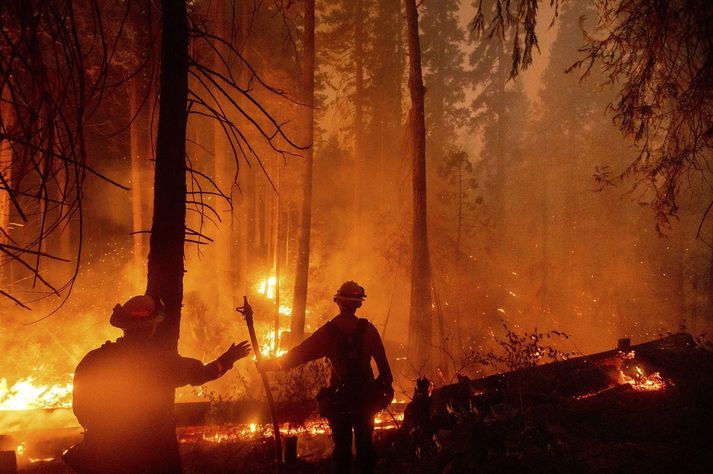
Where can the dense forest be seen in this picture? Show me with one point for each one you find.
(482, 170)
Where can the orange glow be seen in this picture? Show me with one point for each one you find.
(267, 287)
(268, 344)
(642, 382)
(27, 394)
(638, 378)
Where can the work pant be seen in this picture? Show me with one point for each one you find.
(363, 426)
(153, 454)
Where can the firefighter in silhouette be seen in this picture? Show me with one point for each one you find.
(353, 396)
(124, 395)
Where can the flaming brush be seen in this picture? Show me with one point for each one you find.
(247, 311)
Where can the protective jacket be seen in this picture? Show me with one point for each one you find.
(329, 341)
(124, 398)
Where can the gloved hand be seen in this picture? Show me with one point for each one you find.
(233, 354)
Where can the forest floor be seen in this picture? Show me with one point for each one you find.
(616, 430)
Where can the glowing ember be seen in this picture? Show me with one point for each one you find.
(642, 382)
(26, 394)
(256, 431)
(385, 420)
(637, 377)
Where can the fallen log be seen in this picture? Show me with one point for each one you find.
(572, 378)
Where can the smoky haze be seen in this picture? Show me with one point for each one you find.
(525, 229)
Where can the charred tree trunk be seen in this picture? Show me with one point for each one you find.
(165, 263)
(420, 324)
(299, 304)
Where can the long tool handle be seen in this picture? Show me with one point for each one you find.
(265, 383)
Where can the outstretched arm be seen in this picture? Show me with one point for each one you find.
(312, 348)
(194, 372)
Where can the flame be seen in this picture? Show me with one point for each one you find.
(267, 287)
(642, 382)
(26, 394)
(637, 377)
(268, 346)
(386, 420)
(254, 431)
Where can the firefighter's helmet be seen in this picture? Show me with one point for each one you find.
(350, 291)
(136, 312)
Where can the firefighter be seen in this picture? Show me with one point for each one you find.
(353, 396)
(124, 395)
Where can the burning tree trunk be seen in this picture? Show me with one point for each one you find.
(299, 303)
(165, 264)
(420, 325)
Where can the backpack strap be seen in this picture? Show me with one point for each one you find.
(349, 347)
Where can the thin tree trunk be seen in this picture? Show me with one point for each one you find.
(6, 119)
(223, 237)
(241, 220)
(299, 303)
(276, 254)
(459, 231)
(166, 251)
(420, 320)
(358, 114)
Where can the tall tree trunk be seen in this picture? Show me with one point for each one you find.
(241, 219)
(299, 303)
(420, 324)
(501, 127)
(244, 220)
(358, 113)
(165, 263)
(223, 179)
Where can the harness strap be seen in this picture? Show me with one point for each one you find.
(349, 348)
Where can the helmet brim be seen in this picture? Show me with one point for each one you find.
(348, 298)
(121, 320)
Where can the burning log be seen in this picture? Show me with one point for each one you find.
(640, 367)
